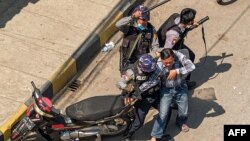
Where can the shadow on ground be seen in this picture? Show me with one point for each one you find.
(10, 8)
(210, 67)
(202, 102)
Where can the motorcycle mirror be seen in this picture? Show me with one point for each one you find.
(36, 92)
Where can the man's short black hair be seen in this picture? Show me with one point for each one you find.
(187, 15)
(166, 53)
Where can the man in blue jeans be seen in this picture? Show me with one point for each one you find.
(175, 67)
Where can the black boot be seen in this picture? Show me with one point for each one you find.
(165, 137)
(127, 139)
(127, 136)
(191, 85)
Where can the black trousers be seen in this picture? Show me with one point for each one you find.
(141, 110)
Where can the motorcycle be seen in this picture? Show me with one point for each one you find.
(88, 119)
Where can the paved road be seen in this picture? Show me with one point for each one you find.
(36, 38)
(222, 93)
(224, 75)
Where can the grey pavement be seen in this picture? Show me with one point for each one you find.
(225, 73)
(36, 38)
(222, 96)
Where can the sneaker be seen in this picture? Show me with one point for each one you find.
(191, 85)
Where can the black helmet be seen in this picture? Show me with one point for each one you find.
(147, 63)
(187, 15)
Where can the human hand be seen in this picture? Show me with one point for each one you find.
(137, 14)
(128, 100)
(172, 74)
(196, 24)
(156, 54)
(193, 25)
(129, 88)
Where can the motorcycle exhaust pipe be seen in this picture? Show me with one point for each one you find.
(86, 132)
(76, 134)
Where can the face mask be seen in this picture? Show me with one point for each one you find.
(140, 27)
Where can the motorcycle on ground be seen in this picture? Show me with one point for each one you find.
(88, 119)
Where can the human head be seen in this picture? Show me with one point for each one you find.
(187, 16)
(146, 63)
(144, 16)
(167, 57)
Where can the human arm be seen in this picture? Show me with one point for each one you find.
(155, 45)
(124, 23)
(127, 88)
(155, 42)
(172, 74)
(123, 83)
(187, 65)
(172, 37)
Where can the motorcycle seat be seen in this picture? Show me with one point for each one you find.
(95, 108)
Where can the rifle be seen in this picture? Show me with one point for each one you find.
(153, 7)
(199, 22)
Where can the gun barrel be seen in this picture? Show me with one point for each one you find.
(203, 20)
(153, 7)
(199, 22)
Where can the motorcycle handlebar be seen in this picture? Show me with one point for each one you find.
(36, 92)
(37, 95)
(33, 84)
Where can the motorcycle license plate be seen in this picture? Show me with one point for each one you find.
(29, 124)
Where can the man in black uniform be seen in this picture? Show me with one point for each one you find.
(174, 30)
(139, 36)
(140, 81)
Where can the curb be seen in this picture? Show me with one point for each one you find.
(75, 64)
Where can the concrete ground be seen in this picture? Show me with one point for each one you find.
(36, 38)
(222, 94)
(224, 76)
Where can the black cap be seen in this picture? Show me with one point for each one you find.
(187, 15)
